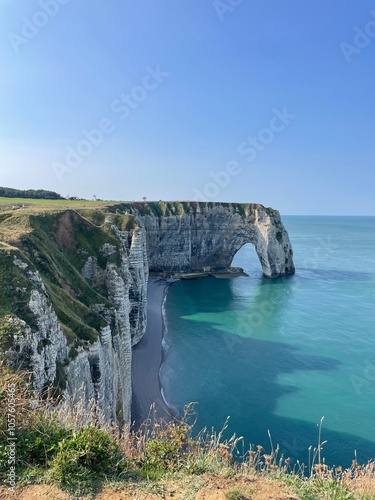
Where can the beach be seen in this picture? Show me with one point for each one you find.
(147, 359)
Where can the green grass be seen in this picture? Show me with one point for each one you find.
(57, 244)
(168, 208)
(158, 208)
(318, 487)
(14, 289)
(237, 494)
(6, 203)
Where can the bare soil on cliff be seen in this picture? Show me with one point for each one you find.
(208, 487)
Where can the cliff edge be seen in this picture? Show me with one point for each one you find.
(73, 302)
(198, 237)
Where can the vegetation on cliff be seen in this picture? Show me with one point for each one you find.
(169, 208)
(57, 244)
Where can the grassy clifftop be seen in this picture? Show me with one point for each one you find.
(169, 208)
(57, 242)
(157, 208)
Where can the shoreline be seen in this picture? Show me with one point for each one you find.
(148, 403)
(232, 272)
(147, 359)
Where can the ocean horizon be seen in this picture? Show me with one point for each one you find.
(278, 355)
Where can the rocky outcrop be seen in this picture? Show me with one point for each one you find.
(206, 237)
(98, 368)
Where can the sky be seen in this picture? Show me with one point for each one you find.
(263, 101)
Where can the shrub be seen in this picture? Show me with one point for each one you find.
(90, 447)
(84, 457)
(37, 442)
(234, 494)
(165, 450)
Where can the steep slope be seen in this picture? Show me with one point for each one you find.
(74, 289)
(192, 237)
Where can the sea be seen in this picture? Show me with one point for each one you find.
(284, 359)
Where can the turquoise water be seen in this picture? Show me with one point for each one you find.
(280, 354)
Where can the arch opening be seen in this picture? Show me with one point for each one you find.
(247, 259)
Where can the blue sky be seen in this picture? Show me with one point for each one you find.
(189, 94)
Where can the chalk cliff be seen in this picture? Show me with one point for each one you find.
(76, 303)
(204, 237)
(73, 283)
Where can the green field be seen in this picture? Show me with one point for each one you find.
(8, 203)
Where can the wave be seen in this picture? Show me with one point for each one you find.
(164, 373)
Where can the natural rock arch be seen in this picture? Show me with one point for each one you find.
(206, 237)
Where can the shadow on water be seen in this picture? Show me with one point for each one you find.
(237, 375)
(252, 395)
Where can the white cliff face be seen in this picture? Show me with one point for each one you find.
(137, 275)
(208, 238)
(100, 371)
(41, 351)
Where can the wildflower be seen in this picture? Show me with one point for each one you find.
(320, 467)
